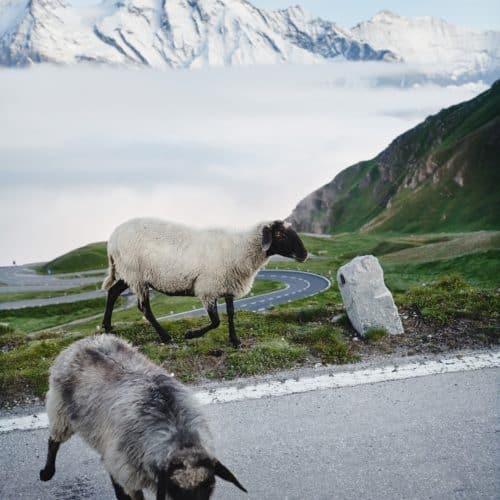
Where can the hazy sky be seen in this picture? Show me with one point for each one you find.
(82, 150)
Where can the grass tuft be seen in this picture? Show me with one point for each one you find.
(304, 314)
(373, 334)
(329, 343)
(452, 297)
(5, 328)
(27, 366)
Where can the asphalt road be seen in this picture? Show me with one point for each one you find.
(24, 279)
(298, 285)
(433, 437)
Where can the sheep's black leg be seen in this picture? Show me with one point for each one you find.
(119, 491)
(113, 293)
(50, 466)
(214, 322)
(145, 308)
(230, 319)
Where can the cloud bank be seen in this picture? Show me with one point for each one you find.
(82, 149)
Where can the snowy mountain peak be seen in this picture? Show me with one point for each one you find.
(434, 42)
(176, 33)
(384, 16)
(296, 11)
(194, 33)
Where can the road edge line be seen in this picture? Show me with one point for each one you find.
(287, 387)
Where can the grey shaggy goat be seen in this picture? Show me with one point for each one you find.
(144, 423)
(179, 260)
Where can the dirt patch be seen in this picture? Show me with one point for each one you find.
(423, 335)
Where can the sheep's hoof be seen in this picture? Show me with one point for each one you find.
(47, 474)
(164, 336)
(191, 335)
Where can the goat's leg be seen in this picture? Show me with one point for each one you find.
(230, 319)
(211, 308)
(145, 308)
(113, 293)
(50, 466)
(119, 491)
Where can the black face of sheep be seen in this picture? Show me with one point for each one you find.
(191, 476)
(280, 239)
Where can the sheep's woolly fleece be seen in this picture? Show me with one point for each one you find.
(128, 409)
(167, 257)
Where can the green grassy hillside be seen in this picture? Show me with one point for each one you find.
(442, 175)
(446, 205)
(86, 258)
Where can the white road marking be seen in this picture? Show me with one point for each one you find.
(307, 384)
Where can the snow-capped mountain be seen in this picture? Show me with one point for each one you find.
(195, 33)
(175, 33)
(434, 42)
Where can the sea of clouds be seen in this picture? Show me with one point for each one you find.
(83, 149)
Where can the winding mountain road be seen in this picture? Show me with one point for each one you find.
(298, 284)
(15, 279)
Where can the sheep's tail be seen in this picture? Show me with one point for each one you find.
(111, 277)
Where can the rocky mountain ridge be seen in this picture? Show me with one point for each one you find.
(442, 175)
(170, 33)
(197, 33)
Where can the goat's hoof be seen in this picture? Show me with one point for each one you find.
(47, 474)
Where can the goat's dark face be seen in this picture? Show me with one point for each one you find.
(278, 238)
(191, 476)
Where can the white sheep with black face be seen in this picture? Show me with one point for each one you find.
(178, 260)
(144, 424)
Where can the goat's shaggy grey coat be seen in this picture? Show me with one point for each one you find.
(145, 424)
(178, 260)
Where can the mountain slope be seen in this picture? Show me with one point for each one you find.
(173, 33)
(435, 43)
(442, 175)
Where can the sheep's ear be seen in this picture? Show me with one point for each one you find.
(267, 238)
(224, 473)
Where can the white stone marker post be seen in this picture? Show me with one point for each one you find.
(368, 302)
